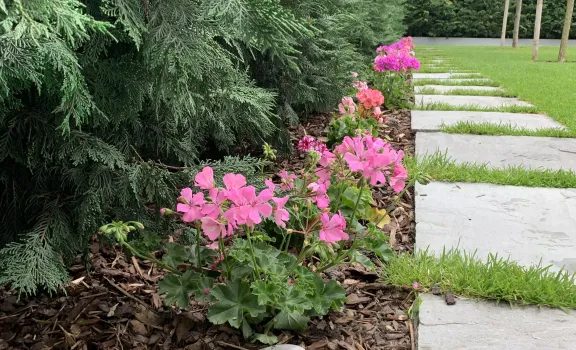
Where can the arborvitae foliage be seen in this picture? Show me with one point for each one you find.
(481, 19)
(107, 107)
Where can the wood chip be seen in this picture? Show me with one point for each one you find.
(354, 299)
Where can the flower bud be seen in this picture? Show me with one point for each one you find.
(139, 225)
(166, 212)
(289, 230)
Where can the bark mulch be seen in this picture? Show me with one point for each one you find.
(115, 303)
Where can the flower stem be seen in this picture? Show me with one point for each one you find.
(198, 259)
(248, 236)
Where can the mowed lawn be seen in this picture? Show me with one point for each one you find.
(550, 86)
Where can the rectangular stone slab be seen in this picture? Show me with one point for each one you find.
(467, 80)
(523, 223)
(501, 151)
(447, 89)
(480, 101)
(432, 120)
(439, 75)
(472, 325)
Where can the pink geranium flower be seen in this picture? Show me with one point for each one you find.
(213, 228)
(287, 180)
(332, 228)
(250, 207)
(214, 209)
(320, 191)
(205, 179)
(370, 98)
(191, 205)
(234, 181)
(347, 106)
(281, 215)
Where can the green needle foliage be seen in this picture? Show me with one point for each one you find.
(440, 167)
(495, 278)
(108, 107)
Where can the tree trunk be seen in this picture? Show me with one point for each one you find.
(566, 30)
(517, 23)
(537, 23)
(504, 23)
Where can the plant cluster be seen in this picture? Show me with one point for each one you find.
(107, 107)
(392, 67)
(327, 212)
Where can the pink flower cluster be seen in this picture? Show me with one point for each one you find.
(225, 209)
(375, 159)
(396, 57)
(370, 98)
(347, 106)
(309, 144)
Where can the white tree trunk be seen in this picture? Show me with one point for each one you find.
(566, 30)
(537, 24)
(504, 23)
(517, 23)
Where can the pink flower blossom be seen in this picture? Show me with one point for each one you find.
(281, 215)
(398, 178)
(306, 144)
(213, 245)
(205, 179)
(360, 85)
(234, 182)
(320, 191)
(287, 180)
(416, 285)
(332, 228)
(347, 106)
(249, 207)
(214, 209)
(191, 205)
(397, 57)
(213, 228)
(370, 98)
(271, 186)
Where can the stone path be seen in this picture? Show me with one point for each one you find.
(446, 89)
(432, 120)
(479, 101)
(527, 225)
(440, 75)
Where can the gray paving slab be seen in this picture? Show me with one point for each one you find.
(448, 89)
(501, 151)
(479, 101)
(527, 224)
(440, 75)
(465, 80)
(432, 120)
(473, 325)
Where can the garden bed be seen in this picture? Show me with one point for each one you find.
(115, 305)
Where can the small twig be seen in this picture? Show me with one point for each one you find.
(127, 294)
(230, 345)
(411, 327)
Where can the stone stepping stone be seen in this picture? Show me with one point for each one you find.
(526, 224)
(502, 151)
(432, 120)
(448, 89)
(475, 325)
(479, 101)
(466, 80)
(439, 75)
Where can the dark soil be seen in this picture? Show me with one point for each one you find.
(115, 304)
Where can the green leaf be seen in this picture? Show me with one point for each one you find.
(327, 295)
(266, 339)
(291, 320)
(178, 288)
(267, 292)
(235, 301)
(175, 254)
(362, 259)
(293, 299)
(206, 255)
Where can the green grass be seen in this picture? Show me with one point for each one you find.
(549, 85)
(466, 92)
(440, 167)
(450, 82)
(441, 106)
(494, 278)
(485, 128)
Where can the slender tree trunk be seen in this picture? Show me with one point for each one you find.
(566, 30)
(517, 23)
(504, 23)
(537, 24)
